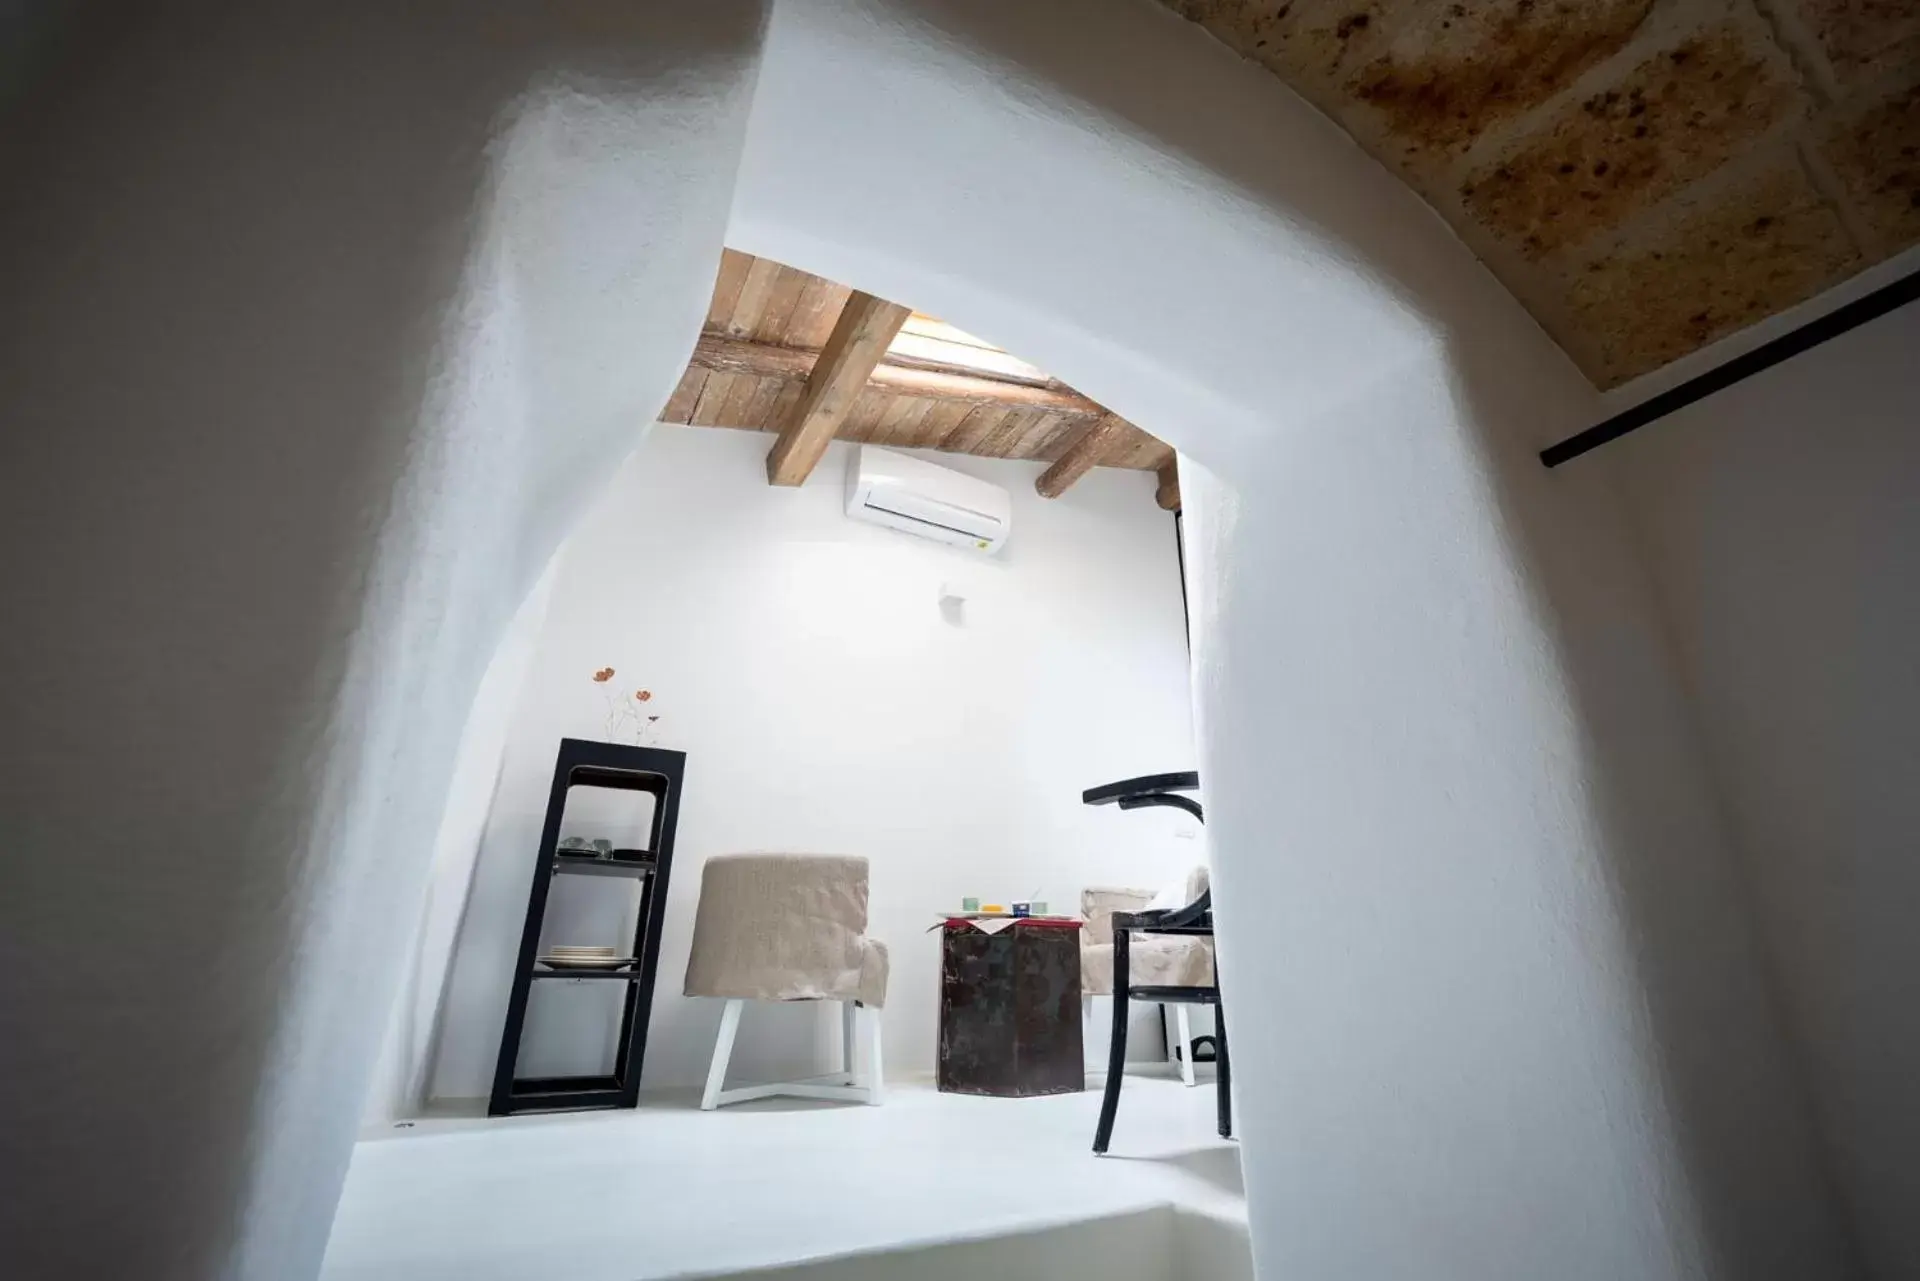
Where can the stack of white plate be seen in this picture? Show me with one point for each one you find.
(569, 957)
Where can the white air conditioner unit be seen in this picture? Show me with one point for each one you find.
(927, 499)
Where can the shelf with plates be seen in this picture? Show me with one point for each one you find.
(623, 863)
(629, 976)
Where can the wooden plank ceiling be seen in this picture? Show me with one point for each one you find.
(933, 387)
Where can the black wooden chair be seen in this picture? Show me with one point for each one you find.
(1196, 918)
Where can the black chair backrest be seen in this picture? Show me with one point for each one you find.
(1152, 791)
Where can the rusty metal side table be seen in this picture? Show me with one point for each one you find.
(1010, 1009)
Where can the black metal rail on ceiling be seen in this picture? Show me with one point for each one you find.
(1854, 314)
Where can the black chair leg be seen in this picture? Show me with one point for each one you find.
(1223, 1070)
(1117, 1046)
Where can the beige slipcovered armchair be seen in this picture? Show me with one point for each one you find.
(789, 927)
(1156, 960)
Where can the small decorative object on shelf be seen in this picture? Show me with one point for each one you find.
(572, 957)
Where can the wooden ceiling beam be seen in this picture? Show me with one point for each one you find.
(859, 339)
(812, 361)
(1168, 494)
(1081, 456)
(734, 356)
(937, 384)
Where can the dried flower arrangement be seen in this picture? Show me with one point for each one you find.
(628, 717)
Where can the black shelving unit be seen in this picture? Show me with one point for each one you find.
(581, 763)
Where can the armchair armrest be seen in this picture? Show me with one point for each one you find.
(1149, 800)
(1196, 917)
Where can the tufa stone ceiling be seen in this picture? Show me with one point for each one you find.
(1646, 176)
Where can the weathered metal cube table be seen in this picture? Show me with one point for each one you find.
(1010, 1008)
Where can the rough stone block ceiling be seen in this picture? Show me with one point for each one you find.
(1647, 176)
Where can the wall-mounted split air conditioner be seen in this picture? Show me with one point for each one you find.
(923, 498)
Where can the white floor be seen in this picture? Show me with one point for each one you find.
(669, 1191)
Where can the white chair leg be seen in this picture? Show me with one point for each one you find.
(1185, 1029)
(1170, 1034)
(722, 1051)
(849, 1014)
(876, 1071)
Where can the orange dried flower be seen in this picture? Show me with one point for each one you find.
(643, 695)
(602, 676)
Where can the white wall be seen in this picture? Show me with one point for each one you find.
(317, 321)
(1781, 519)
(828, 703)
(401, 1079)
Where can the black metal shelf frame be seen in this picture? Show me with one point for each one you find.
(582, 763)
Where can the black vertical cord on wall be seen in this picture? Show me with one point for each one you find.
(1810, 335)
(1180, 550)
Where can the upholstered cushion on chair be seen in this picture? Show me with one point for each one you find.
(785, 927)
(1099, 903)
(1153, 960)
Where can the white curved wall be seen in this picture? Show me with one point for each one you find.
(255, 488)
(1506, 1019)
(317, 323)
(1781, 528)
(415, 1028)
